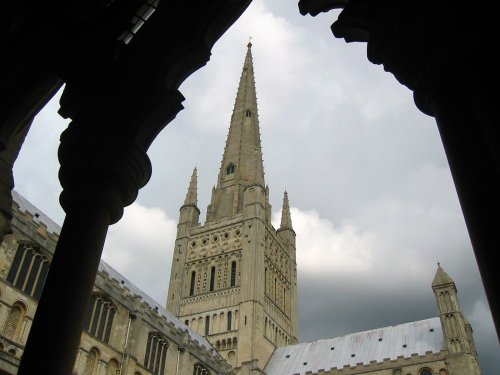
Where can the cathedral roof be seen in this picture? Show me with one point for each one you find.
(38, 216)
(378, 345)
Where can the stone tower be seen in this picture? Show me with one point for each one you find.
(457, 331)
(234, 279)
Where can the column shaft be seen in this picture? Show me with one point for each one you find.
(57, 327)
(475, 173)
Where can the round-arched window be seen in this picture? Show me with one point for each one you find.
(425, 371)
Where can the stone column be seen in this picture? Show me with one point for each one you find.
(470, 139)
(100, 174)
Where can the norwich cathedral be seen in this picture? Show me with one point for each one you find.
(231, 306)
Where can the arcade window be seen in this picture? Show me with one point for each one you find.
(156, 353)
(99, 320)
(29, 270)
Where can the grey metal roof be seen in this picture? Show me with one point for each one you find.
(362, 347)
(38, 215)
(52, 227)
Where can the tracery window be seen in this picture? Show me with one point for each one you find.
(29, 270)
(233, 273)
(200, 369)
(156, 353)
(99, 320)
(12, 326)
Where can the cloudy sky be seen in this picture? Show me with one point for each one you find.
(374, 205)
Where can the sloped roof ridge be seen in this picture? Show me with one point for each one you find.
(26, 205)
(371, 330)
(361, 348)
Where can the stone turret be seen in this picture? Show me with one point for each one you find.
(456, 330)
(189, 215)
(189, 211)
(285, 230)
(287, 235)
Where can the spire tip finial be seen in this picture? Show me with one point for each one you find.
(249, 45)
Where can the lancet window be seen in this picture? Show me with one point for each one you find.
(207, 326)
(233, 273)
(229, 320)
(99, 320)
(193, 281)
(212, 278)
(156, 353)
(29, 270)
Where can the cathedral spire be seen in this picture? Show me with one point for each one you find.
(241, 165)
(192, 193)
(286, 219)
(242, 160)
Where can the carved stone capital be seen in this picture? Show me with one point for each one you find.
(100, 169)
